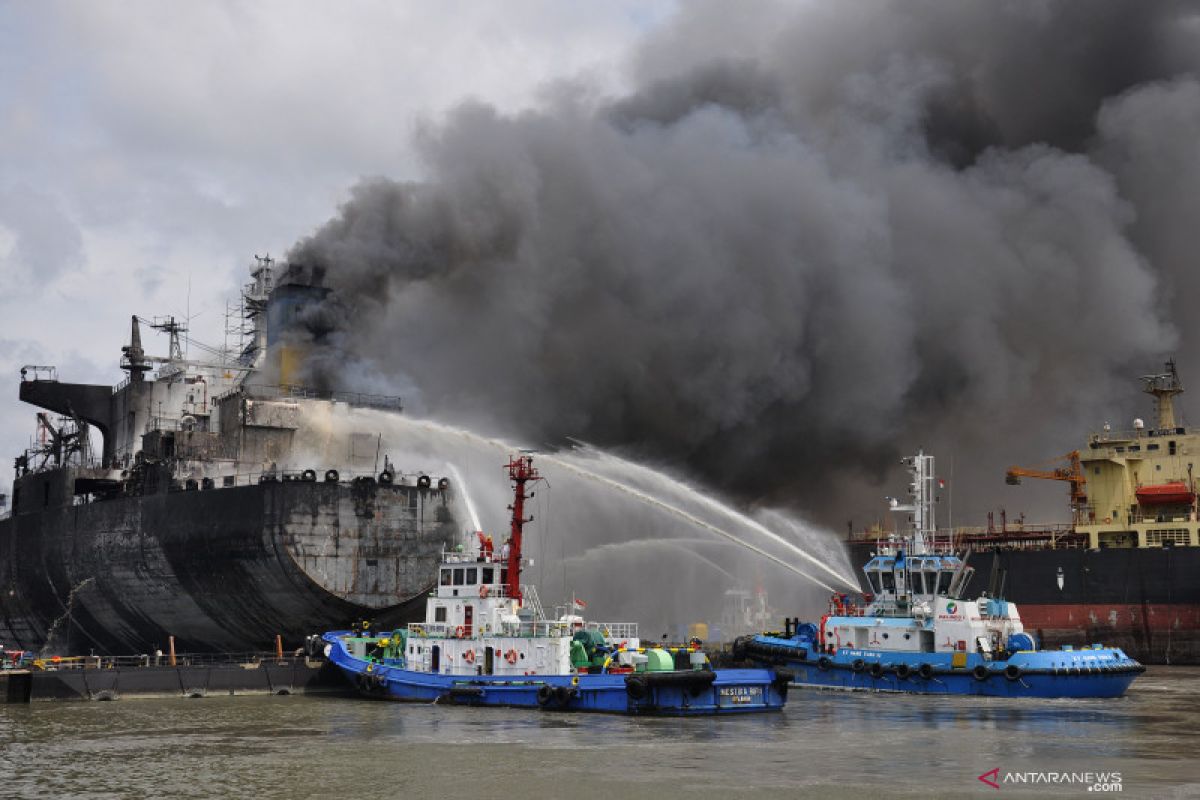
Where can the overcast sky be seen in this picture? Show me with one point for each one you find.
(147, 146)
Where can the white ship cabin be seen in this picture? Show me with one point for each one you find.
(915, 607)
(474, 626)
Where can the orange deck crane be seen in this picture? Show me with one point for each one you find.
(1072, 472)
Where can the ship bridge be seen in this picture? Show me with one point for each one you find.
(1141, 481)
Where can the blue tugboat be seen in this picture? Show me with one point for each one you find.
(485, 641)
(914, 632)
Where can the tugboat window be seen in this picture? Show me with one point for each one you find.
(889, 582)
(488, 575)
(439, 614)
(873, 577)
(471, 576)
(458, 577)
(944, 582)
(445, 577)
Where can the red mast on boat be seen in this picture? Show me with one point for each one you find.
(520, 472)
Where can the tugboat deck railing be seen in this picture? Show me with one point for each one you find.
(541, 629)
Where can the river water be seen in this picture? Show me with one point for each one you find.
(825, 744)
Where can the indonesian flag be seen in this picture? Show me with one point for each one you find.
(941, 483)
(577, 603)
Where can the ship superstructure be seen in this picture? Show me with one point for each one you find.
(1141, 486)
(226, 504)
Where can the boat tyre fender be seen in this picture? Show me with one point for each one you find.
(443, 484)
(423, 482)
(309, 475)
(1012, 672)
(635, 687)
(738, 651)
(925, 671)
(903, 671)
(331, 476)
(783, 678)
(859, 665)
(386, 477)
(823, 663)
(379, 680)
(980, 673)
(465, 692)
(877, 670)
(563, 695)
(545, 693)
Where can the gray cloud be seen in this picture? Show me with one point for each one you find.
(43, 242)
(801, 243)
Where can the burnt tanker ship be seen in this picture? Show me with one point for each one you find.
(1126, 570)
(226, 508)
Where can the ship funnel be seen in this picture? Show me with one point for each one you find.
(133, 358)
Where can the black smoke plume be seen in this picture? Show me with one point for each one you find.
(808, 239)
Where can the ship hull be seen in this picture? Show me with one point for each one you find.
(1145, 601)
(1093, 673)
(220, 570)
(685, 693)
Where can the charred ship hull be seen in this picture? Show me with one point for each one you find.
(221, 569)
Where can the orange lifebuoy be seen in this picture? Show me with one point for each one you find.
(459, 632)
(1108, 520)
(484, 591)
(469, 656)
(511, 656)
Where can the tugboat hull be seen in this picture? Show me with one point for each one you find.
(683, 693)
(1096, 672)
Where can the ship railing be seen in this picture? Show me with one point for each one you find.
(1158, 519)
(526, 630)
(1018, 536)
(614, 630)
(48, 374)
(282, 391)
(56, 663)
(1122, 438)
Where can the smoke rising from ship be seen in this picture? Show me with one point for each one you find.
(805, 240)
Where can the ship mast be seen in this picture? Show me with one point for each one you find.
(520, 472)
(921, 490)
(1164, 387)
